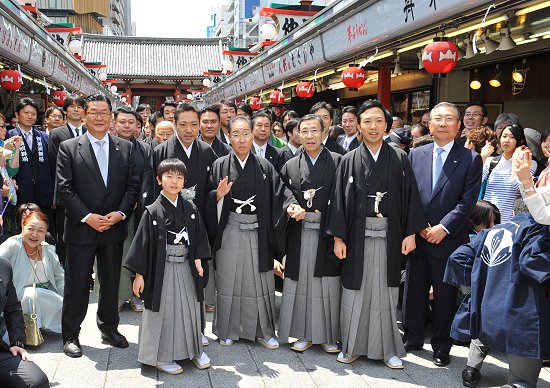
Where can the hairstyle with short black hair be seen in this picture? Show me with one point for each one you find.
(261, 113)
(293, 115)
(73, 99)
(270, 113)
(370, 104)
(236, 119)
(321, 105)
(350, 109)
(167, 103)
(154, 118)
(129, 111)
(292, 125)
(481, 214)
(245, 108)
(545, 135)
(480, 104)
(211, 109)
(26, 101)
(173, 165)
(228, 103)
(142, 107)
(51, 109)
(97, 98)
(310, 117)
(185, 107)
(423, 129)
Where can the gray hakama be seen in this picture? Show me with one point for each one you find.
(245, 302)
(174, 332)
(367, 318)
(310, 308)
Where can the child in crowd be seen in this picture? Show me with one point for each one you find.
(166, 256)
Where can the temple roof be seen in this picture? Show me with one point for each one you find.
(163, 58)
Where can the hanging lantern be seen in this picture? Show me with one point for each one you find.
(277, 96)
(305, 89)
(58, 97)
(354, 77)
(440, 57)
(10, 80)
(255, 103)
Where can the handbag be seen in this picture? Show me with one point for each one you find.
(32, 331)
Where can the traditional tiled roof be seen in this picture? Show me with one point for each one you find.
(139, 57)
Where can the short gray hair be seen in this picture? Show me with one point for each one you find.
(446, 105)
(310, 117)
(238, 119)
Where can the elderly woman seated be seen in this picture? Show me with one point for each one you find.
(35, 262)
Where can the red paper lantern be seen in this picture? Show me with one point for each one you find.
(10, 80)
(58, 97)
(354, 77)
(277, 96)
(440, 57)
(255, 103)
(305, 89)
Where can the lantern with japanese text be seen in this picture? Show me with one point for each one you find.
(277, 96)
(11, 80)
(354, 77)
(255, 103)
(440, 57)
(58, 97)
(305, 89)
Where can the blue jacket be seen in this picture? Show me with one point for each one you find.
(508, 267)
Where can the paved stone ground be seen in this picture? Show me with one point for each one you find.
(247, 364)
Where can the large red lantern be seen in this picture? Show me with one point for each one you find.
(277, 96)
(58, 97)
(305, 89)
(255, 103)
(354, 77)
(10, 80)
(440, 57)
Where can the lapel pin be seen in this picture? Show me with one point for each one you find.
(264, 176)
(350, 179)
(454, 161)
(154, 222)
(145, 195)
(207, 168)
(290, 181)
(193, 216)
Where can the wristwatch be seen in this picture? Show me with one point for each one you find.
(18, 344)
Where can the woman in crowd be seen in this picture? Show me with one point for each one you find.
(543, 170)
(54, 118)
(419, 130)
(278, 131)
(501, 190)
(35, 262)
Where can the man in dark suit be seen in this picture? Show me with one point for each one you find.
(16, 366)
(73, 106)
(98, 184)
(325, 111)
(226, 111)
(261, 129)
(350, 121)
(128, 123)
(448, 178)
(291, 149)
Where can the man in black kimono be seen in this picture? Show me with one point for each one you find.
(209, 128)
(261, 128)
(245, 203)
(376, 213)
(310, 309)
(196, 154)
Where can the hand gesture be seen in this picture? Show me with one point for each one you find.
(296, 211)
(113, 218)
(521, 163)
(138, 285)
(224, 187)
(340, 249)
(487, 151)
(436, 234)
(98, 222)
(279, 269)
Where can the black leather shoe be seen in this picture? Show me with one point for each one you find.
(470, 376)
(71, 347)
(410, 347)
(441, 358)
(114, 338)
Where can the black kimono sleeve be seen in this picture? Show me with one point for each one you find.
(337, 224)
(142, 250)
(282, 198)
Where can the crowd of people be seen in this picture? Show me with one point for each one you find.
(185, 212)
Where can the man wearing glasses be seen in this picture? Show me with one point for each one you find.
(475, 115)
(98, 184)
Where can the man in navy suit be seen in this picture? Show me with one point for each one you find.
(448, 178)
(261, 128)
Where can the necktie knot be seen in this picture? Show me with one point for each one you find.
(439, 151)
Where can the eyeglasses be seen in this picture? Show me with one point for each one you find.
(473, 114)
(103, 115)
(56, 117)
(313, 132)
(245, 135)
(2, 125)
(447, 119)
